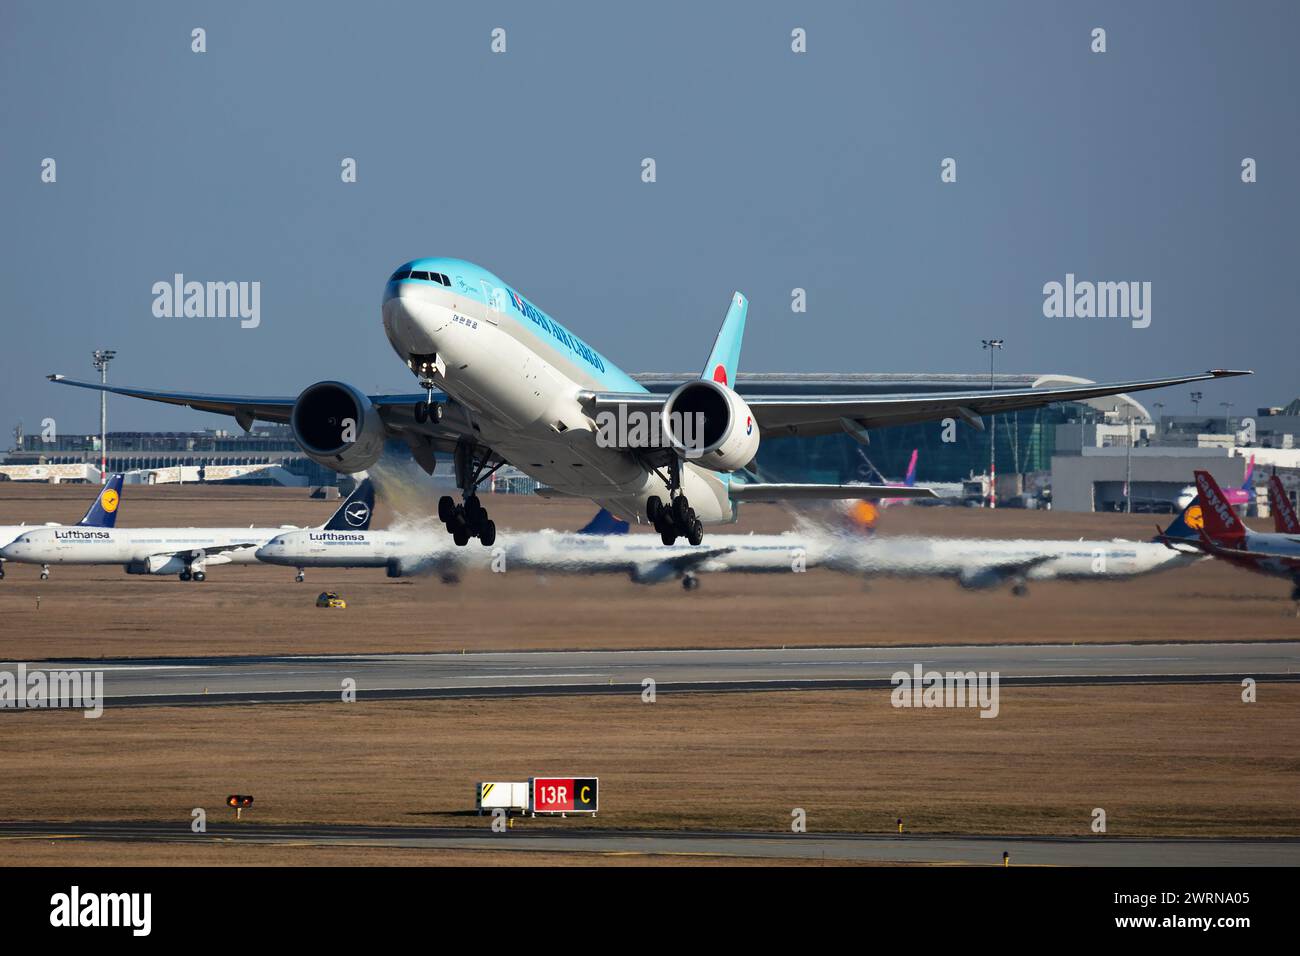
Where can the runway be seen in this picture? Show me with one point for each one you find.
(554, 836)
(293, 678)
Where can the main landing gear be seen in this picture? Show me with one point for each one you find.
(466, 521)
(677, 518)
(469, 520)
(45, 572)
(193, 576)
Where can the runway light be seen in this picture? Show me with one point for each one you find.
(240, 802)
(900, 824)
(1006, 858)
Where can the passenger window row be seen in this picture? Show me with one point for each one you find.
(401, 274)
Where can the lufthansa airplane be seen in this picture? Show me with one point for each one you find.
(185, 552)
(102, 513)
(505, 382)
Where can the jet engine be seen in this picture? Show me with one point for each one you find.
(709, 424)
(338, 427)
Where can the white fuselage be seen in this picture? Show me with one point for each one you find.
(644, 558)
(521, 386)
(969, 559)
(140, 550)
(639, 555)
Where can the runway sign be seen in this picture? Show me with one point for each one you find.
(564, 794)
(494, 795)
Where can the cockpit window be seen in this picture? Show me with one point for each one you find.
(401, 274)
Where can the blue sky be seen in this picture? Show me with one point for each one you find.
(775, 171)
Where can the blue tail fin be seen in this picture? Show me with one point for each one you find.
(725, 357)
(1250, 473)
(103, 513)
(604, 523)
(1186, 525)
(354, 514)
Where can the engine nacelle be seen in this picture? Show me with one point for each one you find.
(709, 424)
(338, 427)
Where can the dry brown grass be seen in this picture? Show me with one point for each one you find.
(101, 612)
(1170, 760)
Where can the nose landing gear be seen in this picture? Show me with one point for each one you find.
(426, 366)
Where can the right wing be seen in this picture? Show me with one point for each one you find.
(779, 415)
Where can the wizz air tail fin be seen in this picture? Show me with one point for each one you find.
(354, 514)
(604, 523)
(909, 479)
(1220, 519)
(103, 512)
(1279, 502)
(725, 357)
(1250, 472)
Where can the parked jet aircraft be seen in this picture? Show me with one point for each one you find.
(102, 513)
(186, 552)
(1281, 507)
(605, 547)
(1224, 535)
(504, 382)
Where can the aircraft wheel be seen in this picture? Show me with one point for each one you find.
(652, 509)
(690, 582)
(682, 511)
(488, 535)
(446, 509)
(461, 537)
(1019, 590)
(200, 576)
(300, 577)
(475, 513)
(45, 575)
(421, 410)
(668, 537)
(696, 533)
(185, 575)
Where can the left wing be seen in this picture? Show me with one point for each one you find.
(826, 414)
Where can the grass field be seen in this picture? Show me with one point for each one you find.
(1164, 760)
(244, 610)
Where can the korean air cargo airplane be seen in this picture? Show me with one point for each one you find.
(102, 513)
(503, 381)
(185, 552)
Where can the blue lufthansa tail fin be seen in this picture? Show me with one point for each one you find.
(604, 523)
(354, 514)
(103, 512)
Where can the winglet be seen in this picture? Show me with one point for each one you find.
(725, 357)
(102, 512)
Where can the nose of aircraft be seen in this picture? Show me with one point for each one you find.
(412, 316)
